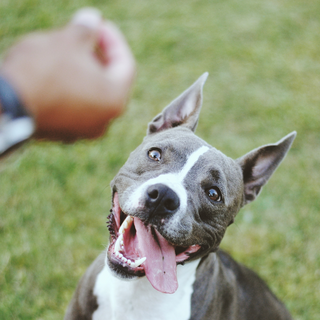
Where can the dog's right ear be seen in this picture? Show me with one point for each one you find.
(258, 165)
(183, 111)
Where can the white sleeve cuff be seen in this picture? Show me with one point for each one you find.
(14, 131)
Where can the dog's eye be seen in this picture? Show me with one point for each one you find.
(155, 154)
(214, 194)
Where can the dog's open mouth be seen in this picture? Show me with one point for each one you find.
(137, 250)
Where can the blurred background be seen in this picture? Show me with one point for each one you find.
(263, 58)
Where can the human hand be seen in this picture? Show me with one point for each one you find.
(74, 80)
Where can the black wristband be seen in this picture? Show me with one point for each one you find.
(10, 102)
(16, 125)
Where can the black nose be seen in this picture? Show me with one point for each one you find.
(161, 200)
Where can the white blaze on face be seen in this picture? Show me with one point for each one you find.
(172, 180)
(193, 158)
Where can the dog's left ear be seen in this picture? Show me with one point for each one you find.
(183, 111)
(259, 164)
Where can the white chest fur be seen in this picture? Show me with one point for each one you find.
(138, 300)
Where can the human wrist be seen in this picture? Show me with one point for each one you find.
(10, 102)
(16, 125)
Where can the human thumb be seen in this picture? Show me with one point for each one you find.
(84, 26)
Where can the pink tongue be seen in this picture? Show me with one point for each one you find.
(160, 266)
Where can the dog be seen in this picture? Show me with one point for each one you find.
(172, 202)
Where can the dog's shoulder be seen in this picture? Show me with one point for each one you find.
(84, 302)
(248, 281)
(218, 275)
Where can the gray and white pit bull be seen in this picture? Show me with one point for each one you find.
(172, 203)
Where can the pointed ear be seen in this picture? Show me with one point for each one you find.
(183, 111)
(259, 164)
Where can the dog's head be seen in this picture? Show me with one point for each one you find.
(176, 195)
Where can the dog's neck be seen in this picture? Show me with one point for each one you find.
(137, 299)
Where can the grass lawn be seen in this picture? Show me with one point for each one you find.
(264, 63)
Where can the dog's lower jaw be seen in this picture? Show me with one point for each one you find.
(118, 299)
(121, 273)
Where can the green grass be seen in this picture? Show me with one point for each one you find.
(264, 63)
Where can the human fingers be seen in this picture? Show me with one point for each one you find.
(120, 63)
(84, 27)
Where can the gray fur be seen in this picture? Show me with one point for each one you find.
(83, 302)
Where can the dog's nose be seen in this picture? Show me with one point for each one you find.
(161, 200)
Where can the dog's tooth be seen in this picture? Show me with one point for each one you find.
(119, 255)
(117, 246)
(125, 224)
(138, 262)
(128, 221)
